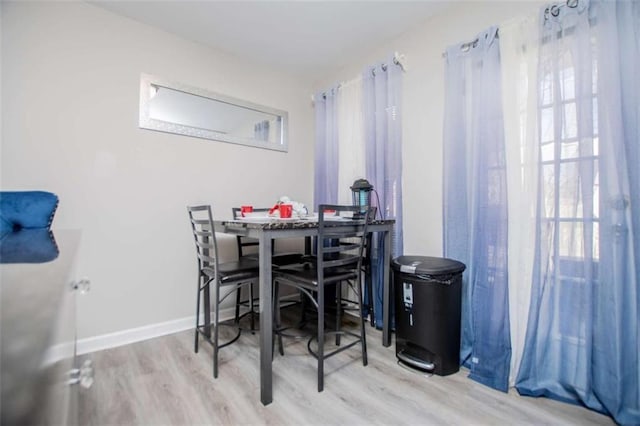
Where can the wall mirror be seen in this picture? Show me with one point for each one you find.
(176, 108)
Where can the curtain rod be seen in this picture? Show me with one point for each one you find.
(554, 9)
(465, 47)
(398, 59)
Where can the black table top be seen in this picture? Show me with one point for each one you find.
(293, 224)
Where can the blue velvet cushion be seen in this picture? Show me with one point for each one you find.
(28, 246)
(26, 209)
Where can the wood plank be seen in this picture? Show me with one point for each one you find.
(162, 381)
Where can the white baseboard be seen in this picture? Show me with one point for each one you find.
(57, 353)
(133, 335)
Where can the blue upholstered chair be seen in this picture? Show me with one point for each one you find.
(26, 210)
(25, 219)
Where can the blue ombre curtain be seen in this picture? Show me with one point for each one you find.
(382, 97)
(475, 204)
(583, 337)
(325, 190)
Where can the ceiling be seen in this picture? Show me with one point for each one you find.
(309, 39)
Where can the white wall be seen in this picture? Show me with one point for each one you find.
(1, 98)
(423, 108)
(70, 78)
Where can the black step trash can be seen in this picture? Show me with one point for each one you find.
(428, 293)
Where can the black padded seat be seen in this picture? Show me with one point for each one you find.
(340, 252)
(231, 276)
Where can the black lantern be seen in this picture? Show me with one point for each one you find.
(361, 193)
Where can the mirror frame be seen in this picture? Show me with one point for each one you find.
(146, 122)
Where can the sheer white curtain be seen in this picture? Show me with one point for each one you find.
(351, 136)
(583, 328)
(519, 56)
(359, 135)
(571, 108)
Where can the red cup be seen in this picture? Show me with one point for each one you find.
(245, 209)
(286, 210)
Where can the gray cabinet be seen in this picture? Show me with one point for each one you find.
(38, 359)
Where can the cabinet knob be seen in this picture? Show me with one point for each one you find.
(82, 375)
(83, 284)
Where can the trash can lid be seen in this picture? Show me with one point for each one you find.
(425, 265)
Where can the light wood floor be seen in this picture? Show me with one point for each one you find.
(162, 381)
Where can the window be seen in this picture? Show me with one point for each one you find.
(569, 203)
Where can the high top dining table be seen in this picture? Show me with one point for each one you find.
(267, 230)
